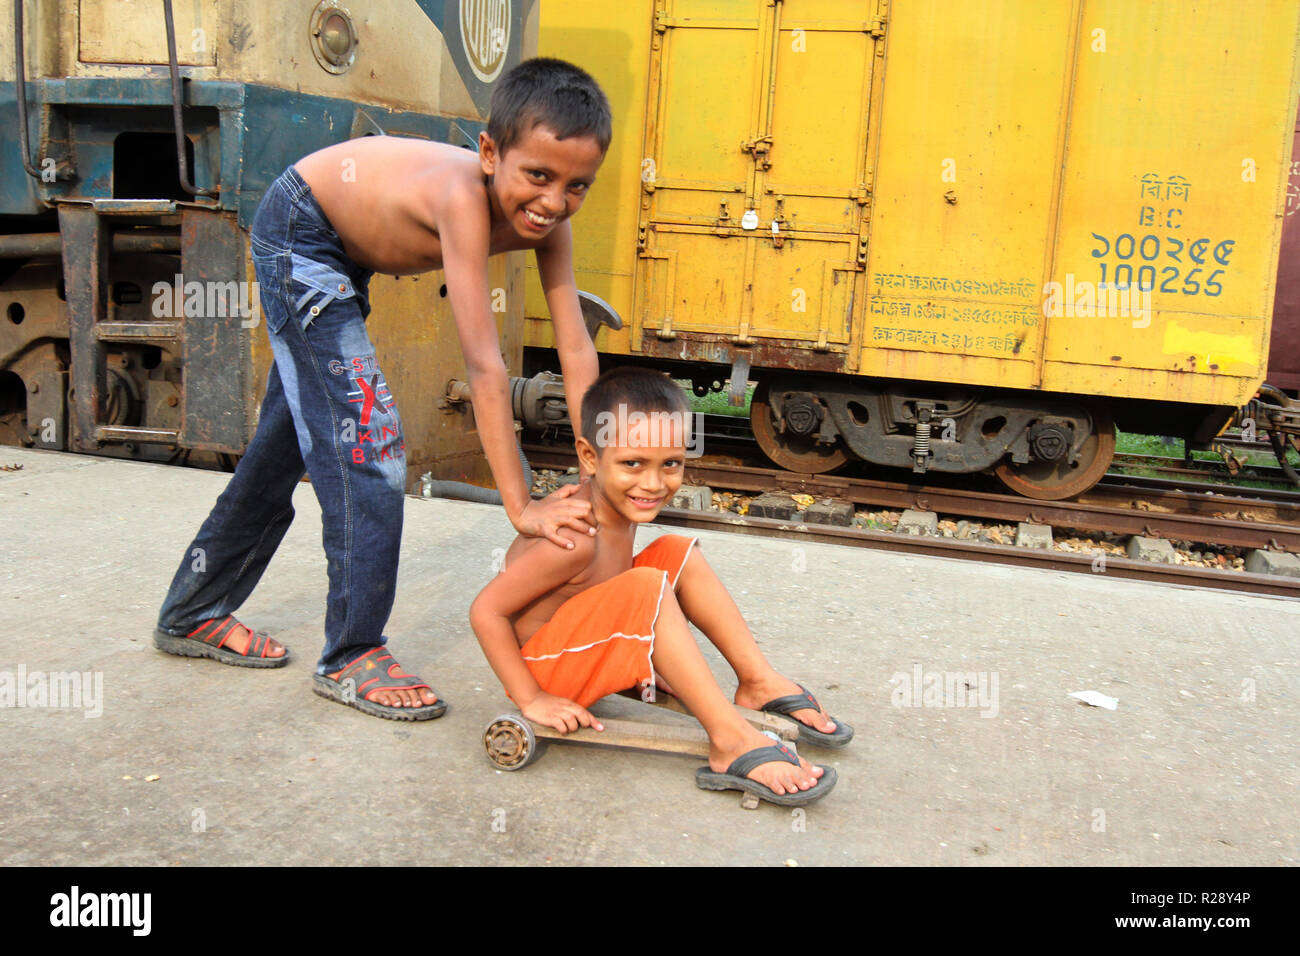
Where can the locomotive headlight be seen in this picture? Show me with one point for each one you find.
(336, 35)
(333, 37)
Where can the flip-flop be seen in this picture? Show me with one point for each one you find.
(375, 670)
(203, 642)
(734, 778)
(789, 704)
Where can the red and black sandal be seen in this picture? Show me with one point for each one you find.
(373, 671)
(209, 638)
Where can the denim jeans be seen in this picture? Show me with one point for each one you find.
(328, 412)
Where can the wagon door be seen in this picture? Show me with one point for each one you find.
(755, 193)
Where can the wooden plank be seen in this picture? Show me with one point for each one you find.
(783, 727)
(663, 738)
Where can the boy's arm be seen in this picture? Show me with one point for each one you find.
(577, 353)
(465, 254)
(536, 573)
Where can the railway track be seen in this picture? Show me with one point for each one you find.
(727, 433)
(1111, 509)
(1119, 505)
(1129, 569)
(1199, 468)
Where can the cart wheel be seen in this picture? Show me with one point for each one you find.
(510, 742)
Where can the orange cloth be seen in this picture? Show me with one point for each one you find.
(599, 642)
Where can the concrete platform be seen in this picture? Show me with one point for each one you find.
(1197, 766)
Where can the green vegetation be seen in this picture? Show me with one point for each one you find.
(715, 403)
(1127, 443)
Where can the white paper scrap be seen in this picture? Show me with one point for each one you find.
(1095, 699)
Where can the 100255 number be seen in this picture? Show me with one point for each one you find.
(1138, 262)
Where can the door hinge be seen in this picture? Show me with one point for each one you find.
(661, 15)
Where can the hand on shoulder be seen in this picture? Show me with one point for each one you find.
(563, 517)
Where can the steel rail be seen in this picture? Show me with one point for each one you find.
(1095, 517)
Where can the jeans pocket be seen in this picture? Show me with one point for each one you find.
(314, 286)
(268, 267)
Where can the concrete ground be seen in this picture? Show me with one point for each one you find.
(1197, 766)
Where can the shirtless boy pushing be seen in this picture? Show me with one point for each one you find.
(325, 226)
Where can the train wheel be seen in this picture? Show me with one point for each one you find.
(792, 452)
(1054, 480)
(510, 742)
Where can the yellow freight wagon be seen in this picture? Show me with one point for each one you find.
(942, 236)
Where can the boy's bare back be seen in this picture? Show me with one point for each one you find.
(389, 199)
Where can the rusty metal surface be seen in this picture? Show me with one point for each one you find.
(1264, 584)
(216, 413)
(138, 331)
(1260, 499)
(764, 353)
(27, 245)
(142, 241)
(1161, 494)
(796, 453)
(85, 277)
(1113, 518)
(214, 349)
(45, 377)
(147, 436)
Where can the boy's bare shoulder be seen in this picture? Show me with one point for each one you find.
(545, 556)
(458, 190)
(386, 162)
(447, 180)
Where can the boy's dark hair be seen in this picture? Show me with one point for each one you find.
(552, 93)
(639, 389)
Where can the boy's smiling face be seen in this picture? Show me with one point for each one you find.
(637, 468)
(540, 181)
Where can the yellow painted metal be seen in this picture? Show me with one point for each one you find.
(951, 186)
(963, 201)
(612, 41)
(1175, 149)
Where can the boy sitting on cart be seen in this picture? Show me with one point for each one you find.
(563, 628)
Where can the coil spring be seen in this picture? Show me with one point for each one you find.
(922, 447)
